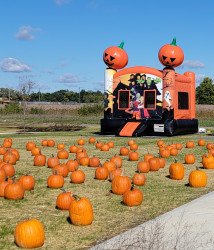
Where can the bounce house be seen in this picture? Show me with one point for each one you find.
(146, 101)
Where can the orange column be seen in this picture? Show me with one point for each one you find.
(192, 94)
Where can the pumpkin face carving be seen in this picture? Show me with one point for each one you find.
(171, 55)
(115, 57)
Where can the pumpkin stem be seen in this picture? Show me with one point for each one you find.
(121, 45)
(76, 197)
(63, 190)
(173, 42)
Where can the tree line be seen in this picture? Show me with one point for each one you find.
(58, 96)
(204, 94)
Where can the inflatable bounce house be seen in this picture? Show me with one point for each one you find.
(146, 101)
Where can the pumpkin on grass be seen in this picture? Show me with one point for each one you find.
(124, 151)
(198, 178)
(143, 167)
(29, 234)
(14, 191)
(72, 165)
(117, 161)
(120, 184)
(154, 164)
(39, 160)
(115, 172)
(109, 165)
(30, 145)
(63, 200)
(81, 211)
(189, 159)
(133, 156)
(55, 180)
(94, 162)
(63, 154)
(52, 161)
(139, 179)
(101, 173)
(133, 197)
(208, 161)
(190, 144)
(77, 177)
(27, 182)
(176, 171)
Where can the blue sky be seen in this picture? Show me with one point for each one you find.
(58, 44)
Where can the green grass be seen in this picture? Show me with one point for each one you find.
(161, 194)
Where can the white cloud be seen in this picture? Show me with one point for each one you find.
(62, 2)
(26, 33)
(14, 65)
(193, 64)
(69, 78)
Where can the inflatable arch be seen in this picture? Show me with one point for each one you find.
(146, 101)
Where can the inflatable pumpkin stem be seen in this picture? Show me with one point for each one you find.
(121, 45)
(173, 42)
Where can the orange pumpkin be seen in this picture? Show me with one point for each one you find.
(190, 144)
(109, 165)
(81, 211)
(117, 161)
(52, 162)
(77, 176)
(154, 164)
(171, 55)
(201, 142)
(198, 178)
(73, 149)
(72, 165)
(139, 179)
(51, 143)
(101, 173)
(29, 234)
(176, 171)
(133, 197)
(120, 184)
(55, 181)
(27, 182)
(143, 166)
(63, 154)
(91, 140)
(40, 160)
(14, 191)
(115, 57)
(94, 162)
(189, 159)
(115, 172)
(133, 156)
(81, 141)
(124, 151)
(63, 200)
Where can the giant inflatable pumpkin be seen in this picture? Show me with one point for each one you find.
(171, 55)
(115, 57)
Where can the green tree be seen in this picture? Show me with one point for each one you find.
(205, 92)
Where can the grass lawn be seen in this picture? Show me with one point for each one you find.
(161, 194)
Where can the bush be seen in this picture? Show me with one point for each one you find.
(11, 108)
(90, 109)
(36, 111)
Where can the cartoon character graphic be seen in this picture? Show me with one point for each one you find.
(168, 99)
